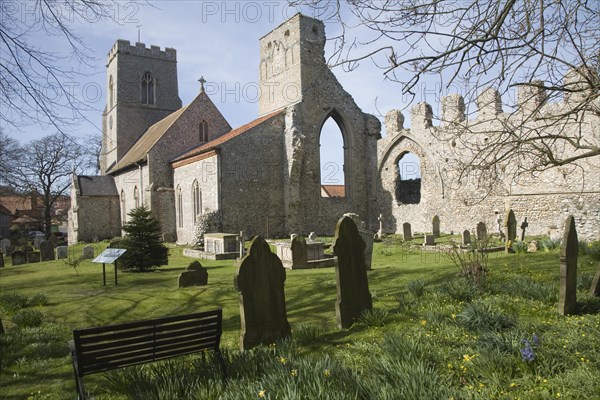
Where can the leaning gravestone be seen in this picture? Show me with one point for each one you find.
(4, 245)
(595, 288)
(406, 231)
(88, 252)
(299, 253)
(260, 283)
(435, 225)
(62, 252)
(567, 302)
(481, 231)
(33, 257)
(194, 275)
(353, 296)
(510, 230)
(18, 257)
(466, 237)
(47, 251)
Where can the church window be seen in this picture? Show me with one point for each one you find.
(148, 86)
(136, 197)
(204, 131)
(123, 207)
(332, 153)
(408, 179)
(196, 200)
(111, 92)
(179, 208)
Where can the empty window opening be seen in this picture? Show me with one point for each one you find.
(331, 155)
(148, 85)
(408, 179)
(204, 131)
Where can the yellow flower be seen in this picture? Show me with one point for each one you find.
(294, 372)
(282, 360)
(262, 393)
(467, 357)
(326, 373)
(423, 322)
(453, 316)
(513, 384)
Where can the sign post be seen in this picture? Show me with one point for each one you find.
(109, 256)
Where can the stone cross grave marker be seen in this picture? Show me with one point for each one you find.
(312, 237)
(194, 275)
(88, 252)
(33, 257)
(428, 240)
(260, 282)
(567, 302)
(481, 231)
(510, 230)
(299, 252)
(524, 226)
(466, 237)
(595, 288)
(435, 224)
(47, 251)
(62, 252)
(4, 245)
(18, 257)
(406, 231)
(353, 296)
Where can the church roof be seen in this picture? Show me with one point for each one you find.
(99, 185)
(333, 190)
(213, 144)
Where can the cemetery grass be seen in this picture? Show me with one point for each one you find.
(431, 334)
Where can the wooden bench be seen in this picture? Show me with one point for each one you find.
(116, 346)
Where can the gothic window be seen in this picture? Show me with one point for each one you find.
(123, 207)
(179, 207)
(204, 131)
(111, 92)
(196, 199)
(148, 86)
(408, 179)
(136, 197)
(332, 154)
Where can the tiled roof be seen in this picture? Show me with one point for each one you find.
(333, 190)
(224, 138)
(99, 185)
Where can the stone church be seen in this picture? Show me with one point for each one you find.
(264, 177)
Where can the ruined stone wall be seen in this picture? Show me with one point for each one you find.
(545, 199)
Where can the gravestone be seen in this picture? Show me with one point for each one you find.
(428, 240)
(194, 275)
(62, 252)
(435, 225)
(524, 226)
(47, 251)
(1, 260)
(27, 249)
(595, 288)
(510, 230)
(241, 244)
(366, 235)
(37, 241)
(466, 237)
(353, 295)
(33, 257)
(534, 246)
(312, 237)
(4, 245)
(299, 252)
(380, 231)
(481, 231)
(260, 282)
(18, 257)
(88, 252)
(567, 302)
(406, 231)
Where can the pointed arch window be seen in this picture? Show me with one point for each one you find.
(332, 156)
(196, 200)
(147, 89)
(203, 131)
(111, 92)
(136, 197)
(408, 179)
(123, 208)
(179, 201)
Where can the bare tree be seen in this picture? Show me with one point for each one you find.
(476, 44)
(10, 151)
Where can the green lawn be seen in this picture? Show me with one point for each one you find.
(470, 341)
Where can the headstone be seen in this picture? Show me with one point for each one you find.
(380, 231)
(534, 246)
(466, 237)
(481, 231)
(406, 231)
(312, 237)
(47, 251)
(62, 252)
(366, 235)
(428, 240)
(194, 275)
(499, 222)
(4, 245)
(88, 252)
(567, 302)
(27, 249)
(299, 252)
(18, 257)
(524, 226)
(510, 230)
(353, 295)
(33, 257)
(595, 288)
(1, 260)
(435, 225)
(260, 283)
(37, 241)
(241, 244)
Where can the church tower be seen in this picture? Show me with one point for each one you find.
(141, 90)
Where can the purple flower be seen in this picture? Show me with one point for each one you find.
(535, 339)
(527, 353)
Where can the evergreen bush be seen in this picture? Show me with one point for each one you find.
(145, 250)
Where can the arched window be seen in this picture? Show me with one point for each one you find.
(179, 201)
(111, 92)
(203, 131)
(147, 89)
(136, 197)
(332, 154)
(123, 207)
(196, 199)
(408, 179)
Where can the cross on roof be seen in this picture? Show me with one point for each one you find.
(202, 82)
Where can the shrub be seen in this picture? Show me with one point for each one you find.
(205, 223)
(550, 244)
(472, 264)
(519, 246)
(38, 299)
(461, 290)
(416, 287)
(306, 334)
(374, 317)
(28, 318)
(483, 317)
(11, 302)
(143, 242)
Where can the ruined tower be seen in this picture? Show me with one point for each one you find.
(141, 90)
